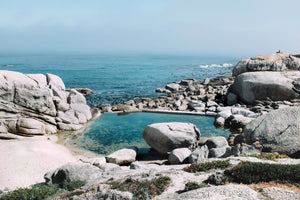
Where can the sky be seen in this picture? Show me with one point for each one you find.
(214, 27)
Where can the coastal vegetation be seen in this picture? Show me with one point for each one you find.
(269, 156)
(42, 191)
(253, 172)
(193, 186)
(204, 167)
(143, 189)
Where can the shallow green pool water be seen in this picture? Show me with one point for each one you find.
(112, 131)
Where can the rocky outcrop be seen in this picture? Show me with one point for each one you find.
(270, 62)
(33, 104)
(164, 137)
(275, 86)
(277, 131)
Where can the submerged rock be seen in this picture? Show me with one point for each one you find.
(164, 137)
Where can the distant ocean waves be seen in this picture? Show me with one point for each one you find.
(216, 65)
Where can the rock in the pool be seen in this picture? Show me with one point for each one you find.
(164, 137)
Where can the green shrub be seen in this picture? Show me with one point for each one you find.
(143, 189)
(193, 186)
(250, 172)
(72, 185)
(219, 164)
(35, 192)
(269, 156)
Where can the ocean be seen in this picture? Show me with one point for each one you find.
(118, 78)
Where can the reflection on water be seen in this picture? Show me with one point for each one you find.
(112, 131)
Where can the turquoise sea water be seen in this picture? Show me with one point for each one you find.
(117, 78)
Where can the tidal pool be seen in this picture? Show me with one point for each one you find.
(113, 131)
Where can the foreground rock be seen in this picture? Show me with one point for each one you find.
(164, 137)
(277, 131)
(270, 62)
(33, 104)
(218, 192)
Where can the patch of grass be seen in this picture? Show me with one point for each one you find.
(219, 164)
(143, 189)
(42, 191)
(269, 156)
(77, 193)
(72, 185)
(251, 172)
(35, 192)
(193, 186)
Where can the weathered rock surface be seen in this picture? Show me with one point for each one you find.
(270, 62)
(164, 137)
(277, 131)
(76, 171)
(37, 104)
(122, 156)
(179, 155)
(200, 155)
(218, 192)
(277, 193)
(275, 86)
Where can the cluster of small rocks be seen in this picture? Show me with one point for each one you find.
(186, 95)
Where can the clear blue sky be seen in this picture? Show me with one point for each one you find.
(244, 27)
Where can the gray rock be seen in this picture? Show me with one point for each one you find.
(277, 86)
(221, 152)
(199, 155)
(173, 87)
(30, 126)
(277, 193)
(164, 137)
(198, 106)
(277, 131)
(110, 167)
(219, 122)
(270, 62)
(122, 156)
(95, 161)
(216, 142)
(76, 171)
(178, 156)
(234, 192)
(231, 99)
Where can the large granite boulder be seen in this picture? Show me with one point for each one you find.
(270, 62)
(276, 86)
(37, 104)
(164, 137)
(277, 131)
(76, 171)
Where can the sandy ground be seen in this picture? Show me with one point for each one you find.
(24, 161)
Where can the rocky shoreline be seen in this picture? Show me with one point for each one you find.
(259, 103)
